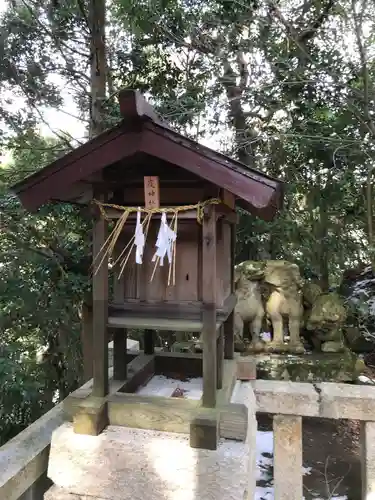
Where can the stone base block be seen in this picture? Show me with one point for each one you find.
(234, 422)
(246, 368)
(91, 417)
(204, 432)
(135, 464)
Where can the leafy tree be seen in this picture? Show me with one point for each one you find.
(45, 265)
(282, 99)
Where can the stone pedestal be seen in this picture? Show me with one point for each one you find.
(246, 368)
(131, 464)
(309, 367)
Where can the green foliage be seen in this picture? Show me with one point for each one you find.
(21, 381)
(44, 260)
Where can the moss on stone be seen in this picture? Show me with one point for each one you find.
(314, 367)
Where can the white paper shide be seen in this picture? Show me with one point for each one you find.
(139, 240)
(165, 241)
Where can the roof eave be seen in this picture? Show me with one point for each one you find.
(269, 211)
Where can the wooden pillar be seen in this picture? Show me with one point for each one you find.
(149, 342)
(209, 307)
(100, 311)
(119, 353)
(229, 337)
(92, 414)
(229, 323)
(233, 238)
(120, 334)
(220, 358)
(86, 336)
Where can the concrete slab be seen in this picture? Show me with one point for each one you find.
(124, 464)
(56, 493)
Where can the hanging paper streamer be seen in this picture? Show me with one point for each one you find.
(165, 241)
(139, 239)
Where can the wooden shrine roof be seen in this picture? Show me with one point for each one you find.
(142, 132)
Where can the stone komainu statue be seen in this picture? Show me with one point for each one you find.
(273, 290)
(325, 316)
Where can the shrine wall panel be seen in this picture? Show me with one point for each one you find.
(137, 277)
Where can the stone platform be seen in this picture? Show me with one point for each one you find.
(309, 367)
(134, 464)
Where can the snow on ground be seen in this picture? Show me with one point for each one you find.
(264, 490)
(192, 389)
(366, 380)
(164, 386)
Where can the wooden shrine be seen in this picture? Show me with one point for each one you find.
(130, 176)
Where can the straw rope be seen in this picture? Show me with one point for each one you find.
(108, 247)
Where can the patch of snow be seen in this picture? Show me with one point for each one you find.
(365, 380)
(264, 468)
(371, 305)
(131, 345)
(359, 285)
(264, 455)
(164, 387)
(265, 493)
(266, 336)
(334, 498)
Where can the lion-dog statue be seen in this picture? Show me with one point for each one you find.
(325, 315)
(269, 290)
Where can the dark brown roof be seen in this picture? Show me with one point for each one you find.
(142, 131)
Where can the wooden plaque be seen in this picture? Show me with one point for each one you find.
(152, 192)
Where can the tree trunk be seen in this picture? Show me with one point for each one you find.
(97, 125)
(369, 216)
(322, 244)
(98, 66)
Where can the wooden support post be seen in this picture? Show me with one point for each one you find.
(209, 304)
(119, 354)
(220, 358)
(100, 311)
(149, 342)
(86, 336)
(229, 323)
(92, 414)
(120, 334)
(233, 229)
(287, 457)
(229, 337)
